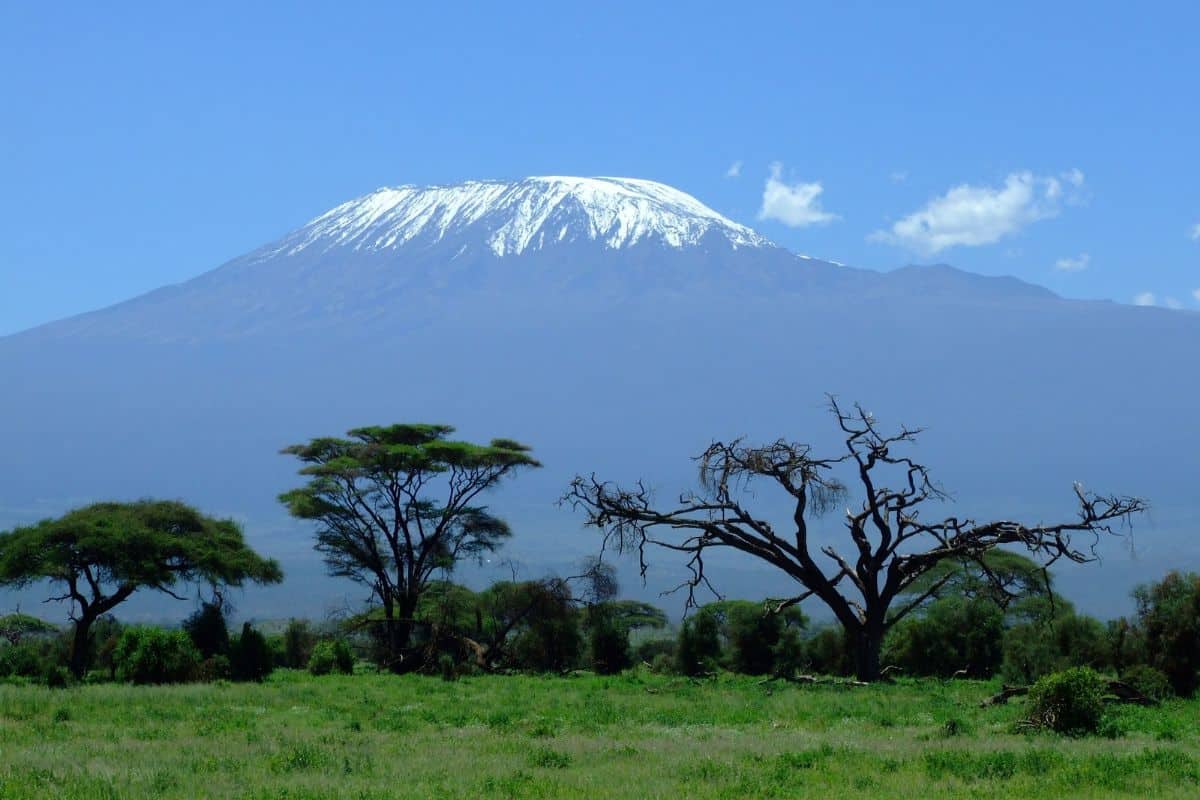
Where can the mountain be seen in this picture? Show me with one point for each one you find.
(616, 325)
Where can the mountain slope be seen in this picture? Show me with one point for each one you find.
(623, 346)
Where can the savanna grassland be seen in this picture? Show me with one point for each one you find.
(634, 736)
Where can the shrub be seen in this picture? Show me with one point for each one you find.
(330, 657)
(699, 644)
(1070, 702)
(608, 644)
(1035, 649)
(214, 668)
(59, 678)
(947, 636)
(106, 632)
(298, 644)
(788, 653)
(206, 627)
(826, 652)
(1169, 619)
(33, 658)
(649, 650)
(154, 655)
(1149, 681)
(249, 656)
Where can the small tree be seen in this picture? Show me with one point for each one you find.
(608, 642)
(949, 636)
(298, 644)
(892, 544)
(206, 626)
(394, 505)
(699, 644)
(1169, 619)
(101, 554)
(250, 657)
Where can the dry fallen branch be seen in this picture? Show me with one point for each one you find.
(1120, 692)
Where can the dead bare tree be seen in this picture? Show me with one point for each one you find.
(892, 545)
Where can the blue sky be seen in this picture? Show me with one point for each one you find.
(142, 144)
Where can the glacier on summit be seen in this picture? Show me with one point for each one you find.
(511, 218)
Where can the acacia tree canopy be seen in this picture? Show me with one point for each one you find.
(890, 544)
(101, 554)
(395, 504)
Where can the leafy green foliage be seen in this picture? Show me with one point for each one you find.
(548, 637)
(206, 627)
(331, 656)
(949, 635)
(1054, 641)
(101, 554)
(1149, 681)
(1006, 579)
(826, 652)
(742, 636)
(299, 642)
(1070, 702)
(608, 641)
(395, 504)
(155, 655)
(250, 657)
(1169, 620)
(699, 650)
(33, 658)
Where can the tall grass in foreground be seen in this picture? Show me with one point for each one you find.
(633, 736)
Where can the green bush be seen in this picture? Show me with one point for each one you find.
(789, 653)
(206, 627)
(648, 650)
(214, 668)
(1058, 642)
(330, 657)
(1070, 702)
(699, 644)
(250, 657)
(608, 643)
(826, 653)
(1169, 619)
(949, 635)
(298, 644)
(155, 655)
(1149, 681)
(33, 658)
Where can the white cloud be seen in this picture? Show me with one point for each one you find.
(796, 205)
(1144, 299)
(1196, 294)
(899, 176)
(971, 216)
(1171, 302)
(1077, 264)
(1195, 232)
(735, 170)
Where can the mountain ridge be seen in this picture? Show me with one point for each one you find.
(623, 361)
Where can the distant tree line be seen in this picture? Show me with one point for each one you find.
(397, 508)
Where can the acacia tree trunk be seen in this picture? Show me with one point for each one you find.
(400, 635)
(79, 645)
(866, 644)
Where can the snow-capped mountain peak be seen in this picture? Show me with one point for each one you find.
(509, 218)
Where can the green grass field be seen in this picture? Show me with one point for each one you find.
(636, 736)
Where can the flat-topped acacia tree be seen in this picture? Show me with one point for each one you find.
(101, 554)
(394, 504)
(891, 546)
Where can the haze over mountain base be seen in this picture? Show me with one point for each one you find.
(624, 359)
